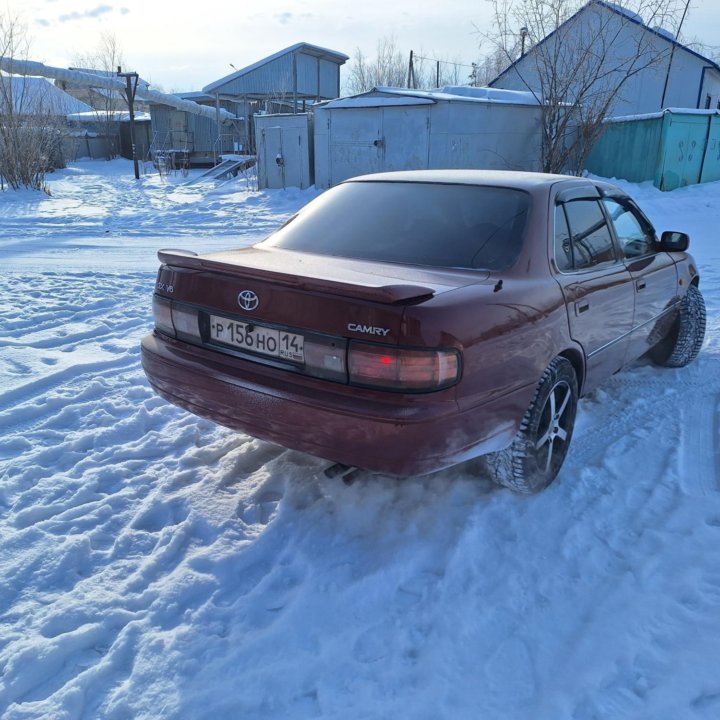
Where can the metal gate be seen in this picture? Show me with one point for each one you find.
(283, 150)
(375, 139)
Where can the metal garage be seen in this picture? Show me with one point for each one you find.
(398, 129)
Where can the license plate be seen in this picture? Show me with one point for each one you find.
(258, 338)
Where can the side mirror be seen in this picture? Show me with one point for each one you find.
(673, 241)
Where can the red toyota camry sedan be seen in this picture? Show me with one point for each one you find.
(405, 322)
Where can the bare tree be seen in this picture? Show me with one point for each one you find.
(489, 68)
(709, 51)
(106, 58)
(577, 64)
(432, 72)
(389, 69)
(30, 124)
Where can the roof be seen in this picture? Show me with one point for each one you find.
(195, 95)
(305, 48)
(630, 17)
(38, 96)
(390, 96)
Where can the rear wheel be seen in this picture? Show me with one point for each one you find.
(682, 344)
(533, 460)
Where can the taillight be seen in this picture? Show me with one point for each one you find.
(325, 358)
(175, 319)
(162, 312)
(400, 369)
(185, 320)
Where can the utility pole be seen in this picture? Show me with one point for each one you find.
(672, 54)
(131, 80)
(411, 72)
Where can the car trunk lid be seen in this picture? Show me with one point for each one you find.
(338, 296)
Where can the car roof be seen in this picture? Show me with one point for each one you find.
(504, 178)
(507, 178)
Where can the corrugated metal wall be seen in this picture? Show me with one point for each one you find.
(272, 78)
(355, 140)
(627, 150)
(673, 150)
(316, 78)
(200, 133)
(711, 167)
(682, 150)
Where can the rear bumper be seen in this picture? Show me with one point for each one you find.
(382, 432)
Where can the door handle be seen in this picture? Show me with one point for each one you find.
(640, 285)
(581, 307)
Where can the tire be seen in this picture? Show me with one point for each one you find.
(535, 456)
(682, 344)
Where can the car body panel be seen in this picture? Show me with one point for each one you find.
(398, 434)
(600, 307)
(655, 282)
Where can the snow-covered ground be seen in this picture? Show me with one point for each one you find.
(153, 565)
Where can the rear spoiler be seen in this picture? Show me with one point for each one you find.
(390, 294)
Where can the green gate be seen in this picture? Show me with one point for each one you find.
(682, 150)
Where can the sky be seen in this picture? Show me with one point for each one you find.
(189, 45)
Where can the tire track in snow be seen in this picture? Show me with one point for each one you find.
(700, 443)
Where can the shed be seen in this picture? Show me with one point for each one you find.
(673, 148)
(289, 78)
(453, 127)
(102, 134)
(192, 139)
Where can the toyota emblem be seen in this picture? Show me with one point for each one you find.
(248, 300)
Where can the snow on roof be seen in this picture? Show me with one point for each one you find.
(488, 94)
(307, 48)
(659, 114)
(38, 96)
(364, 101)
(664, 32)
(389, 96)
(624, 11)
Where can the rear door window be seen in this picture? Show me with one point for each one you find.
(563, 248)
(442, 225)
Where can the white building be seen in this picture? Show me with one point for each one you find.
(679, 77)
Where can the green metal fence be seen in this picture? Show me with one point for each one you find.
(673, 148)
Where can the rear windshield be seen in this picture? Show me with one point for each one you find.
(455, 226)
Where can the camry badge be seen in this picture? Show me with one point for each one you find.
(248, 300)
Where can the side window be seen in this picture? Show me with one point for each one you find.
(590, 236)
(635, 239)
(563, 250)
